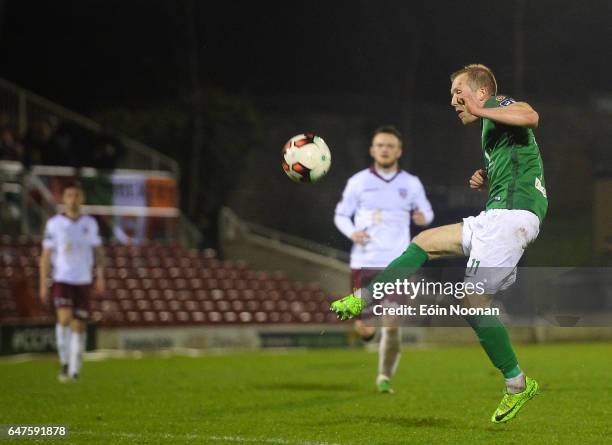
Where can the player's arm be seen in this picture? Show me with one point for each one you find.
(44, 264)
(518, 114)
(478, 181)
(100, 263)
(99, 255)
(423, 214)
(43, 274)
(345, 210)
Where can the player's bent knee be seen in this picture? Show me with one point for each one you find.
(425, 240)
(64, 316)
(78, 325)
(440, 242)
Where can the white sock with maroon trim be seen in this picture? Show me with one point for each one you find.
(77, 340)
(388, 353)
(62, 341)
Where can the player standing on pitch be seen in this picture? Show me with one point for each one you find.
(375, 212)
(70, 241)
(494, 240)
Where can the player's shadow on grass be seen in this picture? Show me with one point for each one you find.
(335, 387)
(408, 422)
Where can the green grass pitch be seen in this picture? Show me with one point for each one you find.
(313, 397)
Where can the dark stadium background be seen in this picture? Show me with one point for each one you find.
(215, 324)
(267, 70)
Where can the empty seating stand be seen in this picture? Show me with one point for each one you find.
(159, 284)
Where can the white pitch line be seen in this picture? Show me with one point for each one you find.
(238, 439)
(270, 440)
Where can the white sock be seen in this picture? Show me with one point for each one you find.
(516, 384)
(62, 341)
(77, 341)
(388, 353)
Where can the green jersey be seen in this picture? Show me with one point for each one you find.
(514, 167)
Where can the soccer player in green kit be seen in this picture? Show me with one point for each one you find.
(495, 240)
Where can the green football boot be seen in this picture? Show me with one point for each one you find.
(384, 386)
(347, 307)
(511, 404)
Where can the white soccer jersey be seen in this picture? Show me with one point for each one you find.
(72, 243)
(381, 206)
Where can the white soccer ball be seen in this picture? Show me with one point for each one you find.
(306, 158)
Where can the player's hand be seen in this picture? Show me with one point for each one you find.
(360, 237)
(44, 293)
(478, 181)
(418, 218)
(100, 286)
(469, 102)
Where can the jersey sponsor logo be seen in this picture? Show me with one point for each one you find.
(377, 217)
(403, 192)
(538, 185)
(506, 102)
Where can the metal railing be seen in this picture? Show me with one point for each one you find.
(25, 107)
(229, 221)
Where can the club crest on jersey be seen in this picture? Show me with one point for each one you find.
(403, 192)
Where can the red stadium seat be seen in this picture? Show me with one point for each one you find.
(198, 317)
(160, 305)
(143, 305)
(192, 305)
(208, 306)
(133, 317)
(245, 317)
(150, 317)
(154, 294)
(261, 317)
(166, 317)
(182, 317)
(223, 305)
(230, 317)
(202, 294)
(126, 305)
(175, 305)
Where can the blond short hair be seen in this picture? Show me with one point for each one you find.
(478, 76)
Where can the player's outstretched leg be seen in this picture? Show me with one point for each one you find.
(431, 244)
(403, 266)
(494, 339)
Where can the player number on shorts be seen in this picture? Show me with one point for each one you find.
(474, 266)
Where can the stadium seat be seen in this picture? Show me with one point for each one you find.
(166, 317)
(150, 317)
(165, 284)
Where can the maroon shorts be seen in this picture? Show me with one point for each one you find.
(74, 296)
(362, 277)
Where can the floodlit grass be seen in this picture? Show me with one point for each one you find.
(443, 395)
